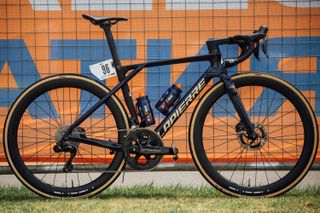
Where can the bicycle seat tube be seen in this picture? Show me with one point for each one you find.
(121, 75)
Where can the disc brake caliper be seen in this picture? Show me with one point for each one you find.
(245, 140)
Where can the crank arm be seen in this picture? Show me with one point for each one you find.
(156, 150)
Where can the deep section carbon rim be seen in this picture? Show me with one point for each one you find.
(42, 117)
(269, 164)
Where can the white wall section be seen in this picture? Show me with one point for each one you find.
(45, 4)
(299, 3)
(111, 4)
(206, 4)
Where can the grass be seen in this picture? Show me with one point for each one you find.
(160, 199)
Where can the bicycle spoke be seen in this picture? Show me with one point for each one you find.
(83, 110)
(285, 127)
(227, 112)
(36, 129)
(59, 112)
(43, 120)
(99, 121)
(260, 106)
(269, 153)
(285, 141)
(235, 157)
(268, 110)
(216, 159)
(92, 153)
(39, 150)
(214, 127)
(220, 145)
(236, 164)
(49, 169)
(35, 143)
(283, 149)
(59, 124)
(55, 174)
(279, 117)
(90, 163)
(262, 155)
(244, 167)
(265, 172)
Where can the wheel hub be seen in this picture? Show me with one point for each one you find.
(76, 132)
(248, 143)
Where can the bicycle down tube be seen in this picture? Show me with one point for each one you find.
(136, 69)
(167, 123)
(216, 69)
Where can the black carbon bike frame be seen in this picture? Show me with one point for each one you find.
(216, 69)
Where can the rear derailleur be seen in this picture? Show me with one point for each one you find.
(68, 146)
(143, 149)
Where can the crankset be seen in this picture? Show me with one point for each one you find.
(143, 149)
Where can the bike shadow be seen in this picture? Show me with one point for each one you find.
(151, 191)
(14, 194)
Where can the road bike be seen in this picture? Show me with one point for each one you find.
(250, 134)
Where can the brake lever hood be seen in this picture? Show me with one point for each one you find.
(264, 46)
(256, 51)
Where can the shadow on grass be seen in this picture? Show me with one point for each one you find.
(14, 194)
(150, 191)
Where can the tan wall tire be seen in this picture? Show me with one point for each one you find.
(310, 144)
(16, 163)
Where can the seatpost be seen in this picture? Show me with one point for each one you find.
(112, 45)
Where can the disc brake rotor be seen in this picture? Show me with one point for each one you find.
(252, 144)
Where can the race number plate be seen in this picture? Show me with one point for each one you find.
(103, 69)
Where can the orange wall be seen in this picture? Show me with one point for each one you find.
(186, 30)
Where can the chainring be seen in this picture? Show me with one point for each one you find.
(137, 139)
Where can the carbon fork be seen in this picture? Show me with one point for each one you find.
(237, 103)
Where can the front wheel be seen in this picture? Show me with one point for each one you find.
(273, 163)
(38, 119)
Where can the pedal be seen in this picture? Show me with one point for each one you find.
(175, 157)
(174, 151)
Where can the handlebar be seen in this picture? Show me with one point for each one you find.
(245, 42)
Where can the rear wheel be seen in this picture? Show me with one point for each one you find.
(269, 165)
(39, 118)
